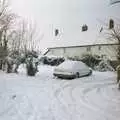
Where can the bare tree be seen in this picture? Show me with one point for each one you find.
(113, 34)
(17, 35)
(33, 35)
(7, 20)
(25, 37)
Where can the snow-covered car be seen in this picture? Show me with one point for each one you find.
(72, 69)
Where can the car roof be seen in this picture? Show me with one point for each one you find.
(72, 63)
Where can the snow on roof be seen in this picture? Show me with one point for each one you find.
(69, 64)
(86, 38)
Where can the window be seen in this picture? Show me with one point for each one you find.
(111, 24)
(101, 29)
(84, 28)
(88, 48)
(56, 32)
(99, 47)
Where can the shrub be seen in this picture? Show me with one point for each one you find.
(96, 62)
(53, 61)
(114, 64)
(104, 65)
(9, 63)
(31, 67)
(75, 58)
(91, 60)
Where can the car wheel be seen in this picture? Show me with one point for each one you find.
(77, 75)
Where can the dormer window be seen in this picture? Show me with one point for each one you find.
(84, 28)
(56, 32)
(111, 24)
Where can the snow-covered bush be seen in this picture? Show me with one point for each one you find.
(31, 66)
(52, 60)
(91, 60)
(75, 58)
(9, 64)
(88, 59)
(104, 65)
(17, 61)
(15, 58)
(95, 62)
(32, 53)
(114, 64)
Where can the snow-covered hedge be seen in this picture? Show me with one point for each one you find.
(31, 66)
(14, 59)
(88, 59)
(104, 65)
(95, 62)
(52, 60)
(91, 60)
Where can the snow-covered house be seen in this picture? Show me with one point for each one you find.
(103, 50)
(95, 43)
(67, 37)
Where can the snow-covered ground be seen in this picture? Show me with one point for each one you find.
(44, 97)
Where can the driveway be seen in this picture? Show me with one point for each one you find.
(47, 98)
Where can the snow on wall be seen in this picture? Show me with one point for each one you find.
(102, 50)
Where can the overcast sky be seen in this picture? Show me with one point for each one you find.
(64, 14)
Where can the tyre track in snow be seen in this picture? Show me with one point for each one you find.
(68, 104)
(38, 112)
(86, 88)
(16, 107)
(95, 102)
(58, 88)
(69, 100)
